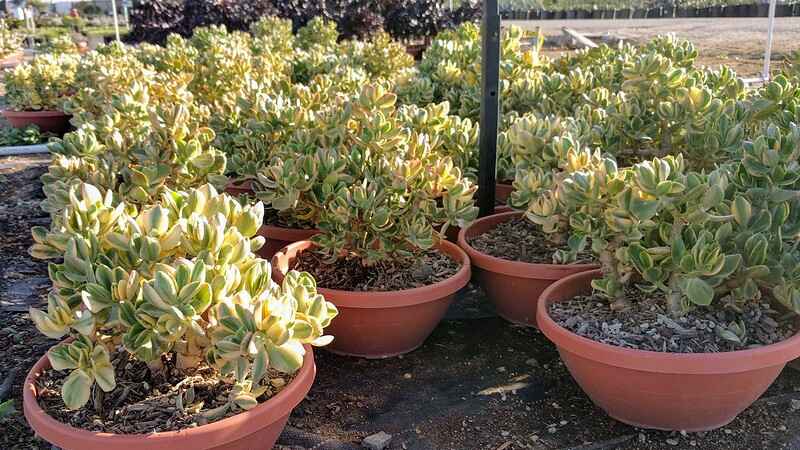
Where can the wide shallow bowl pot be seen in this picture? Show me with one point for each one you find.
(47, 121)
(279, 237)
(384, 324)
(665, 391)
(513, 286)
(257, 428)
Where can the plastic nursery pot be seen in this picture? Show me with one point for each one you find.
(11, 60)
(279, 237)
(514, 287)
(665, 391)
(239, 187)
(256, 428)
(383, 324)
(47, 121)
(502, 191)
(416, 50)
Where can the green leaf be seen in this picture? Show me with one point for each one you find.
(76, 389)
(741, 210)
(699, 292)
(7, 408)
(287, 358)
(640, 258)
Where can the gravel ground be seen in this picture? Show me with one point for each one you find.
(738, 42)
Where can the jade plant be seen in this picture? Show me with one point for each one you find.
(695, 238)
(42, 84)
(164, 149)
(177, 277)
(371, 179)
(10, 41)
(61, 44)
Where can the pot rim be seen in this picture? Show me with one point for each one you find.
(40, 113)
(286, 234)
(211, 435)
(542, 271)
(389, 299)
(650, 361)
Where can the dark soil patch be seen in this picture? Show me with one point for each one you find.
(648, 326)
(520, 240)
(145, 401)
(274, 218)
(349, 275)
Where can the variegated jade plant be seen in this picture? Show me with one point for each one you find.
(42, 84)
(176, 277)
(695, 238)
(10, 40)
(378, 182)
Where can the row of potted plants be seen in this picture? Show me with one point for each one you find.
(156, 273)
(377, 186)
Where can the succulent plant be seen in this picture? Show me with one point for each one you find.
(175, 276)
(694, 237)
(62, 44)
(42, 84)
(371, 178)
(10, 40)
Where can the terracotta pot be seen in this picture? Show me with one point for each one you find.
(47, 121)
(279, 237)
(257, 428)
(665, 391)
(383, 324)
(502, 191)
(416, 50)
(12, 60)
(239, 187)
(514, 287)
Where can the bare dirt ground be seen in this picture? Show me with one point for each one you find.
(737, 42)
(434, 398)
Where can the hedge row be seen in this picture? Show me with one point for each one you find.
(153, 20)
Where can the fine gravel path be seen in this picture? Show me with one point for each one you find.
(737, 42)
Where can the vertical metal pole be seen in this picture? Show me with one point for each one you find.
(116, 20)
(768, 51)
(490, 105)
